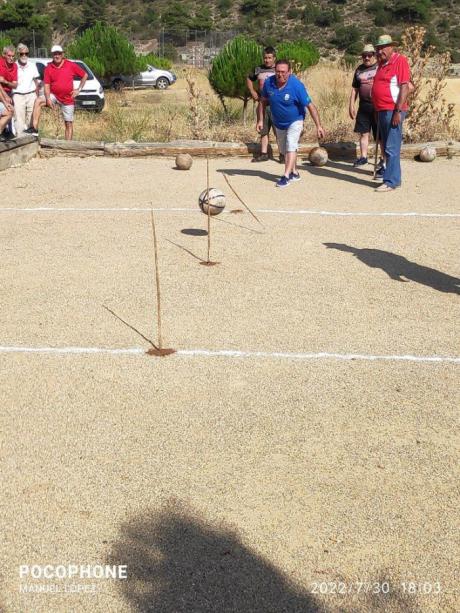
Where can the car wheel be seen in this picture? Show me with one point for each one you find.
(162, 83)
(118, 85)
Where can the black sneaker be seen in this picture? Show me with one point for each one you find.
(381, 164)
(360, 162)
(263, 157)
(31, 131)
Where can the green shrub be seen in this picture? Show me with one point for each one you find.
(153, 60)
(412, 10)
(105, 47)
(231, 67)
(301, 54)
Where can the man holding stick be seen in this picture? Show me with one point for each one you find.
(389, 96)
(288, 99)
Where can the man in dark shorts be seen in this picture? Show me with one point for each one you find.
(361, 88)
(258, 76)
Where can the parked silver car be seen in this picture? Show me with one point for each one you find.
(152, 77)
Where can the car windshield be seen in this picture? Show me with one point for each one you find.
(86, 69)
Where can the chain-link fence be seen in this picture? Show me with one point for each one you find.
(194, 47)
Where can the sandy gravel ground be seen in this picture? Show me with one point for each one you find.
(257, 484)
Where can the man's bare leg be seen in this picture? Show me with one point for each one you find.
(364, 144)
(290, 159)
(68, 130)
(264, 144)
(4, 119)
(36, 113)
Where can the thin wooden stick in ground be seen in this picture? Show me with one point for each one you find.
(208, 261)
(242, 201)
(160, 351)
(377, 137)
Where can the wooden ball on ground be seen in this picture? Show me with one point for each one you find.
(184, 161)
(318, 156)
(427, 154)
(214, 200)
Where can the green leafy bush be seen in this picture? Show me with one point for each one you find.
(105, 50)
(301, 54)
(231, 67)
(153, 60)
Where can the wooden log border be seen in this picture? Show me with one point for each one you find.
(338, 151)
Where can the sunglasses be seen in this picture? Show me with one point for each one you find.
(367, 55)
(24, 53)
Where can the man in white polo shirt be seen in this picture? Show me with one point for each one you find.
(25, 94)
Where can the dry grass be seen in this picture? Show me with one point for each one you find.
(191, 110)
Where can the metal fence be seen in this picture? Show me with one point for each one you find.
(194, 47)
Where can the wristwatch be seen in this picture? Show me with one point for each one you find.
(397, 110)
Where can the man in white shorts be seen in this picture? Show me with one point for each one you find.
(288, 99)
(26, 91)
(59, 90)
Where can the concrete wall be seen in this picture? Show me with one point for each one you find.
(18, 151)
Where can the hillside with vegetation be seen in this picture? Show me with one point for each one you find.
(333, 25)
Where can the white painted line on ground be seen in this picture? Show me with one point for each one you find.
(230, 353)
(262, 211)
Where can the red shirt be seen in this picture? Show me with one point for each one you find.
(8, 72)
(60, 78)
(387, 83)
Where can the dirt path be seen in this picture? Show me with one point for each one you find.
(225, 483)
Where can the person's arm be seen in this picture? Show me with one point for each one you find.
(352, 102)
(263, 103)
(315, 116)
(5, 99)
(252, 91)
(402, 97)
(48, 95)
(403, 75)
(75, 92)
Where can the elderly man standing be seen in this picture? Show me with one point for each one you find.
(389, 96)
(6, 112)
(288, 99)
(59, 90)
(26, 92)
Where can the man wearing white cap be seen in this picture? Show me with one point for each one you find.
(59, 89)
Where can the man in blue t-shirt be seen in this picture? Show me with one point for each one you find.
(288, 99)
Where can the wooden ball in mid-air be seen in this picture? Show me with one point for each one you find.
(427, 154)
(184, 161)
(318, 156)
(214, 200)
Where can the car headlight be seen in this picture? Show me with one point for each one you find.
(101, 90)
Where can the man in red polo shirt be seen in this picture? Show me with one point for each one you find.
(59, 90)
(8, 70)
(389, 97)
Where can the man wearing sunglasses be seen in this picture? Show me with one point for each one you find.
(59, 90)
(366, 121)
(26, 92)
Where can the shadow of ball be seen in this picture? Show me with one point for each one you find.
(427, 154)
(318, 156)
(212, 200)
(184, 161)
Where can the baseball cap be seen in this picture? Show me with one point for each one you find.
(57, 49)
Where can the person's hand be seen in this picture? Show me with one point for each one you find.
(352, 112)
(50, 103)
(9, 106)
(396, 119)
(255, 97)
(320, 132)
(259, 126)
(75, 93)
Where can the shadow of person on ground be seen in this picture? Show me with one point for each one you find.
(326, 171)
(231, 172)
(348, 167)
(177, 563)
(397, 266)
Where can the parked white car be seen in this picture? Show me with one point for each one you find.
(91, 97)
(152, 77)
